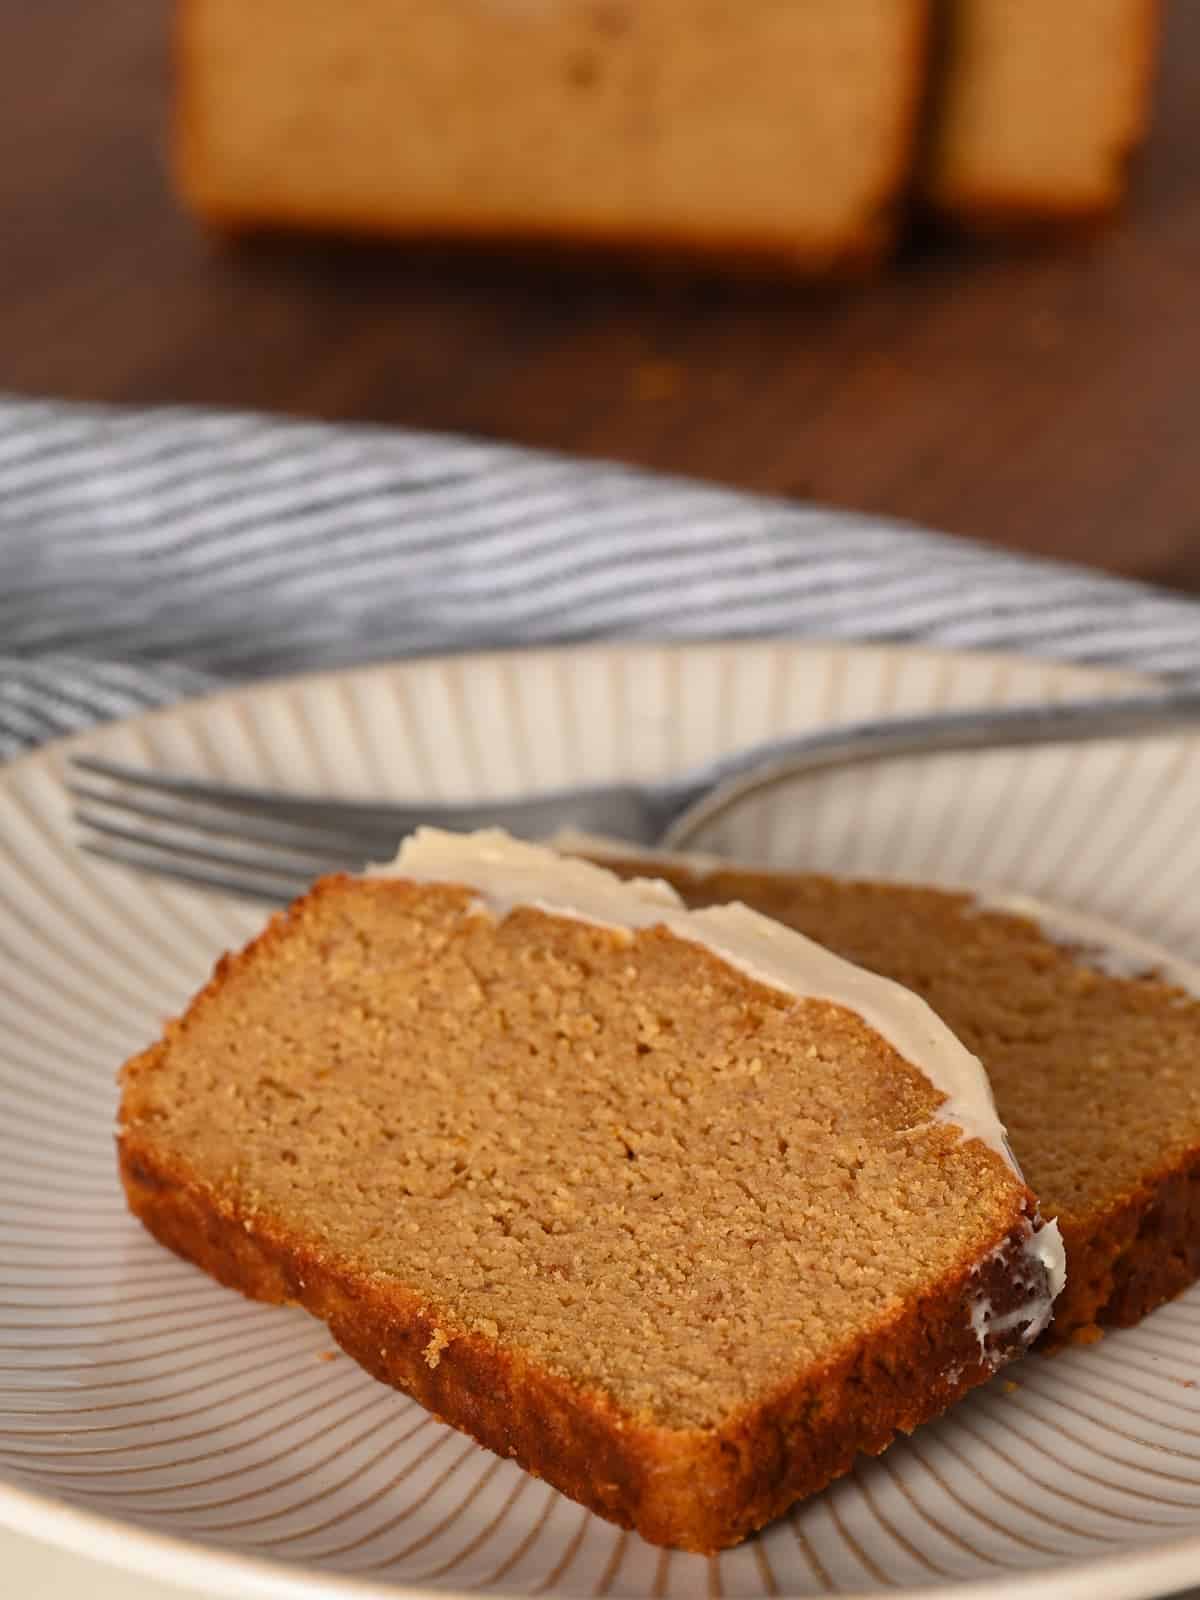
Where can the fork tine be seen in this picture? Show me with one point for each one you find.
(327, 844)
(281, 864)
(343, 814)
(626, 810)
(272, 891)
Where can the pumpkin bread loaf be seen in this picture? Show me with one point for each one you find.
(779, 130)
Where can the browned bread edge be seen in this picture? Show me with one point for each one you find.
(1136, 1256)
(695, 1490)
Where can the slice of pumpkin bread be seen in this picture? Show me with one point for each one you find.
(676, 1208)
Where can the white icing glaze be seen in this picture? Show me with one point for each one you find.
(506, 873)
(981, 1310)
(1045, 1246)
(1100, 944)
(986, 1325)
(1042, 1274)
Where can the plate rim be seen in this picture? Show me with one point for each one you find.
(1112, 677)
(1155, 1569)
(231, 1576)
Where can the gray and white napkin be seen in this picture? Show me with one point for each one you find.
(145, 555)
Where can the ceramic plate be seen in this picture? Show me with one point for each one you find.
(153, 1419)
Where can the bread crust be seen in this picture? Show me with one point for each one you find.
(1134, 1257)
(743, 254)
(698, 1490)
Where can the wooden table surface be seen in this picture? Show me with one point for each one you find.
(1046, 401)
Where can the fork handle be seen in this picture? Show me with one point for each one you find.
(700, 796)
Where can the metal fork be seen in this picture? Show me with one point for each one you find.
(269, 845)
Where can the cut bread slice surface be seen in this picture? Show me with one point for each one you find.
(779, 130)
(1038, 107)
(676, 1208)
(1090, 1038)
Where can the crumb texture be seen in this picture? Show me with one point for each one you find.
(1096, 1076)
(659, 1180)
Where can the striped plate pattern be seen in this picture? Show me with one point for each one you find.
(149, 1416)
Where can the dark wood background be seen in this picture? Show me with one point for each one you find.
(1044, 400)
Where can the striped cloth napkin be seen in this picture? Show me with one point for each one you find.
(145, 555)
